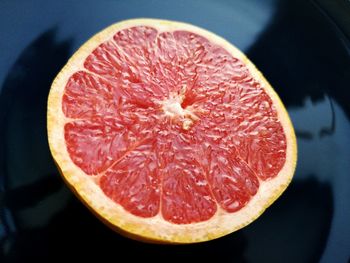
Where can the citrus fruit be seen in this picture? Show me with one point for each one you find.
(168, 133)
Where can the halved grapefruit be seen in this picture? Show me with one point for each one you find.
(168, 133)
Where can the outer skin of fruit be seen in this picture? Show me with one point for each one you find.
(155, 230)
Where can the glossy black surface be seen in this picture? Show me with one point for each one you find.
(302, 49)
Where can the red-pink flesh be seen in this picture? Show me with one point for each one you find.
(148, 161)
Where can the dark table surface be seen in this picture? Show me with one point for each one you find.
(303, 49)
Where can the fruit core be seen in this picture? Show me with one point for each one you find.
(174, 108)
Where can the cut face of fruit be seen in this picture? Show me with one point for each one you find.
(168, 133)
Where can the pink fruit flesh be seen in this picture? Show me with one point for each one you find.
(172, 124)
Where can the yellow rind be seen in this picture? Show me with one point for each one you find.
(156, 229)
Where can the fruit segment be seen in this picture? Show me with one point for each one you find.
(233, 182)
(134, 182)
(88, 96)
